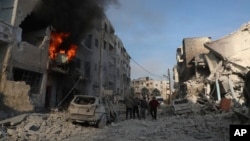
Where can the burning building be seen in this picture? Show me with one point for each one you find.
(52, 48)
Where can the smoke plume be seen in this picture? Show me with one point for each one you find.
(74, 16)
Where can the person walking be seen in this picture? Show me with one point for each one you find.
(153, 104)
(144, 107)
(129, 106)
(136, 108)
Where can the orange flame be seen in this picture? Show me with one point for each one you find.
(55, 43)
(71, 53)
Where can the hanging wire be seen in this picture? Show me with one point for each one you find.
(145, 69)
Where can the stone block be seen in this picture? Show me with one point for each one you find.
(32, 126)
(11, 132)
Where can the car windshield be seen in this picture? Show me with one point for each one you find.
(84, 100)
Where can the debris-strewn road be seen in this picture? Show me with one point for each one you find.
(54, 126)
(191, 128)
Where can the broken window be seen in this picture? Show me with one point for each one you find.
(87, 69)
(33, 29)
(105, 27)
(33, 79)
(88, 41)
(111, 47)
(104, 45)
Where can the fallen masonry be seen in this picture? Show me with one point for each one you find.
(55, 126)
(215, 74)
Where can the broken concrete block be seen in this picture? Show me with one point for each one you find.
(57, 131)
(28, 126)
(22, 134)
(38, 118)
(16, 96)
(11, 132)
(31, 126)
(44, 123)
(14, 121)
(33, 137)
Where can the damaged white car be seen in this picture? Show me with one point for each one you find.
(92, 109)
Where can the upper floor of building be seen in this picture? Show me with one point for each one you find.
(150, 84)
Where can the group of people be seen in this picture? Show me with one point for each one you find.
(136, 108)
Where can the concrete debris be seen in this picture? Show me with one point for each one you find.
(11, 132)
(181, 106)
(55, 126)
(16, 95)
(215, 74)
(193, 127)
(14, 120)
(30, 128)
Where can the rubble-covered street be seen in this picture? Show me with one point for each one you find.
(55, 126)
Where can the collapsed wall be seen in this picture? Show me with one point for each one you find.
(233, 50)
(190, 64)
(220, 73)
(15, 95)
(24, 62)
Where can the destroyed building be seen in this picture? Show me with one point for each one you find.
(23, 64)
(214, 70)
(35, 74)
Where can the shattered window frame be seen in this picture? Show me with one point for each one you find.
(88, 41)
(87, 69)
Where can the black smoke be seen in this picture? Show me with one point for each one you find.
(77, 17)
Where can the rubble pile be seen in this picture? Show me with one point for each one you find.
(190, 126)
(215, 74)
(16, 96)
(53, 126)
(182, 127)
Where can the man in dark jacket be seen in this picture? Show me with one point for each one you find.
(129, 106)
(144, 107)
(153, 104)
(136, 108)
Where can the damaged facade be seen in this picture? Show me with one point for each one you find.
(215, 71)
(32, 80)
(23, 62)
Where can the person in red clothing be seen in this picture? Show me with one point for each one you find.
(153, 104)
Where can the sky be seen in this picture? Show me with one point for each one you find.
(152, 30)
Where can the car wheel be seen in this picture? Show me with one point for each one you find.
(102, 122)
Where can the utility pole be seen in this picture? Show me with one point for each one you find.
(170, 90)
